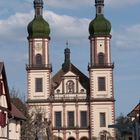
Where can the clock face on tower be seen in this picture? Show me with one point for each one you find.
(38, 46)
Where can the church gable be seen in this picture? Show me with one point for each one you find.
(69, 79)
(70, 84)
(70, 73)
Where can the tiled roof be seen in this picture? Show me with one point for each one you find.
(135, 111)
(16, 113)
(12, 110)
(3, 109)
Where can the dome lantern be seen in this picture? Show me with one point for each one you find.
(38, 5)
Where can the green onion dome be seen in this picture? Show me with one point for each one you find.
(38, 28)
(99, 26)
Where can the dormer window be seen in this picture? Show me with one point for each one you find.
(82, 91)
(58, 91)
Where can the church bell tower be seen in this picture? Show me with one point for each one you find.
(38, 68)
(102, 112)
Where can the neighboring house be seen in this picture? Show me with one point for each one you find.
(5, 105)
(134, 115)
(10, 116)
(15, 120)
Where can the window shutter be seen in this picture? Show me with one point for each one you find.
(2, 119)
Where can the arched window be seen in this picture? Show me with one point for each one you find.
(38, 59)
(70, 86)
(101, 58)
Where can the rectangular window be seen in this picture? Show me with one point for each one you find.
(58, 119)
(101, 84)
(38, 85)
(70, 118)
(83, 120)
(102, 120)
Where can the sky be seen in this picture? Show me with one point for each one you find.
(69, 21)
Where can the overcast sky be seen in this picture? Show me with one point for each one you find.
(69, 20)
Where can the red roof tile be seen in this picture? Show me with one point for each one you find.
(16, 113)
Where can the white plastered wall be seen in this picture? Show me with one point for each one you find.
(101, 43)
(94, 74)
(44, 47)
(70, 107)
(45, 75)
(70, 76)
(108, 109)
(14, 129)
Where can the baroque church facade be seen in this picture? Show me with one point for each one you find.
(79, 107)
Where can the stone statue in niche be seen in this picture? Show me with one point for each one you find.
(70, 86)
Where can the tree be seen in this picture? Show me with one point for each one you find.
(124, 127)
(35, 125)
(41, 126)
(20, 104)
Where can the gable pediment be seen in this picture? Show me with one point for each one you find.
(69, 73)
